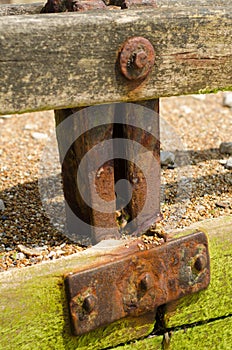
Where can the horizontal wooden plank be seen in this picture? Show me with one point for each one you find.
(33, 307)
(215, 335)
(34, 8)
(20, 9)
(71, 59)
(154, 343)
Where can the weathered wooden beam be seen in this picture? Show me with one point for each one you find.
(217, 334)
(71, 59)
(214, 335)
(34, 309)
(20, 9)
(35, 8)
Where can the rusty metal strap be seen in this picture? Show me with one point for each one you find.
(139, 283)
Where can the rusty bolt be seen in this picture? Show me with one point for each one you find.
(137, 58)
(89, 303)
(146, 282)
(200, 263)
(140, 59)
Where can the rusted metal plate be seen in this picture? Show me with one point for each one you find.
(137, 284)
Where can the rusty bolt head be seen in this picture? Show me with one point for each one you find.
(89, 303)
(200, 263)
(146, 282)
(140, 59)
(137, 58)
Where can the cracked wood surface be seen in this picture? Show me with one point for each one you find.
(54, 61)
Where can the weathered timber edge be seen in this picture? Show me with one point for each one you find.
(64, 60)
(33, 307)
(35, 8)
(20, 9)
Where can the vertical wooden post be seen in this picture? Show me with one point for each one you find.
(136, 176)
(124, 219)
(103, 181)
(108, 174)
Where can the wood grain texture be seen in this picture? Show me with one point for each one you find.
(22, 9)
(33, 307)
(154, 343)
(215, 335)
(35, 8)
(71, 59)
(75, 180)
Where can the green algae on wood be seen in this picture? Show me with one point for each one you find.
(215, 335)
(151, 343)
(34, 311)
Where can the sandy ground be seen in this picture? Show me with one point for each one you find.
(198, 188)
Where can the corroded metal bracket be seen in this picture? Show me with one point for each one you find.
(138, 283)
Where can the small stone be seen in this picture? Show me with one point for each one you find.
(226, 147)
(167, 158)
(41, 249)
(228, 164)
(200, 207)
(172, 166)
(8, 249)
(39, 136)
(223, 161)
(60, 252)
(227, 99)
(2, 205)
(52, 254)
(223, 205)
(2, 248)
(118, 213)
(29, 251)
(123, 223)
(20, 256)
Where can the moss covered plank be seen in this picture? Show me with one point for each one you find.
(34, 311)
(153, 343)
(54, 61)
(215, 302)
(215, 335)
